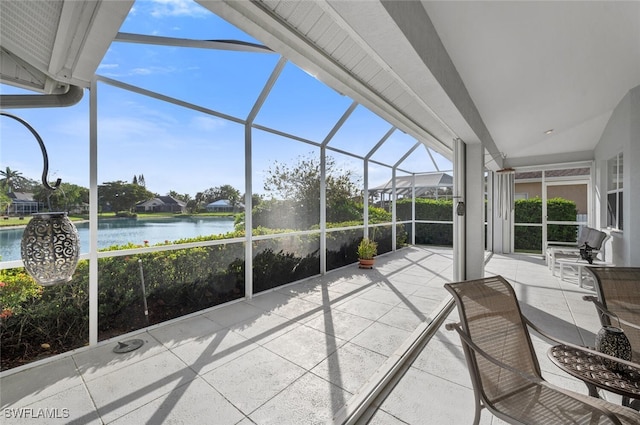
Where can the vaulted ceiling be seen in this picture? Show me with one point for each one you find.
(500, 73)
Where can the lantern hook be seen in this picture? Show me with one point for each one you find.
(45, 157)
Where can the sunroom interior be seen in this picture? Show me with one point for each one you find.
(544, 96)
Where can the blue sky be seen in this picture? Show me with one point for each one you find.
(187, 151)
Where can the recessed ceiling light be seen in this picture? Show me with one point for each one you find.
(549, 131)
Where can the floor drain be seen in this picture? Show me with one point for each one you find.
(126, 346)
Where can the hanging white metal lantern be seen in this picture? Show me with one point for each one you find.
(50, 245)
(50, 248)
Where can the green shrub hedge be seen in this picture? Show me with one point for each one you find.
(529, 238)
(526, 211)
(429, 209)
(177, 282)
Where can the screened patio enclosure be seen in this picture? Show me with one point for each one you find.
(302, 108)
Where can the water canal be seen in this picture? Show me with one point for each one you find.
(124, 230)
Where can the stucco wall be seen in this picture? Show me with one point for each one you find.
(622, 134)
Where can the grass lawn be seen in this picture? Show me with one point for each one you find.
(16, 221)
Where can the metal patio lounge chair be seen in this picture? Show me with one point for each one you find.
(504, 369)
(618, 301)
(594, 238)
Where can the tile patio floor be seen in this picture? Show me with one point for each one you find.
(296, 355)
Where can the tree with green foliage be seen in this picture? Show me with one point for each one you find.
(5, 203)
(122, 196)
(14, 181)
(10, 179)
(256, 199)
(295, 189)
(185, 197)
(217, 193)
(192, 206)
(64, 198)
(139, 180)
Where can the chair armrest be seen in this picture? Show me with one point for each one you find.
(570, 249)
(580, 347)
(561, 244)
(560, 248)
(602, 310)
(531, 378)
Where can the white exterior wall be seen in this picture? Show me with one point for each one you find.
(622, 134)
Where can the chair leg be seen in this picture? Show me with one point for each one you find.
(476, 420)
(631, 402)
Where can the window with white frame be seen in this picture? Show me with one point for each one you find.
(614, 193)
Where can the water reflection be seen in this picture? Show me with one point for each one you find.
(124, 230)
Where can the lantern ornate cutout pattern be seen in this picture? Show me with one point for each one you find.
(50, 248)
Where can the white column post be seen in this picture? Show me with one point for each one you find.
(323, 210)
(248, 209)
(394, 200)
(413, 209)
(93, 213)
(365, 213)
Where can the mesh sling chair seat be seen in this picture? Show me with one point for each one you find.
(618, 302)
(503, 366)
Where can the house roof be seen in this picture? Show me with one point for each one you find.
(220, 203)
(162, 200)
(223, 203)
(21, 197)
(171, 200)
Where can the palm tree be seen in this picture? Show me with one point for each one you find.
(11, 179)
(5, 203)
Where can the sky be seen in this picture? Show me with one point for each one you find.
(187, 151)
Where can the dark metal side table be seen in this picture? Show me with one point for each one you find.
(591, 370)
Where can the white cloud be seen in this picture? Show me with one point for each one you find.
(153, 70)
(162, 8)
(207, 123)
(141, 71)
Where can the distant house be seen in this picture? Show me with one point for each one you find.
(162, 204)
(435, 185)
(82, 208)
(22, 203)
(224, 205)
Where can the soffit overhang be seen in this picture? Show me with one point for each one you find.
(47, 46)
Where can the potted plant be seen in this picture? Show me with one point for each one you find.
(366, 251)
